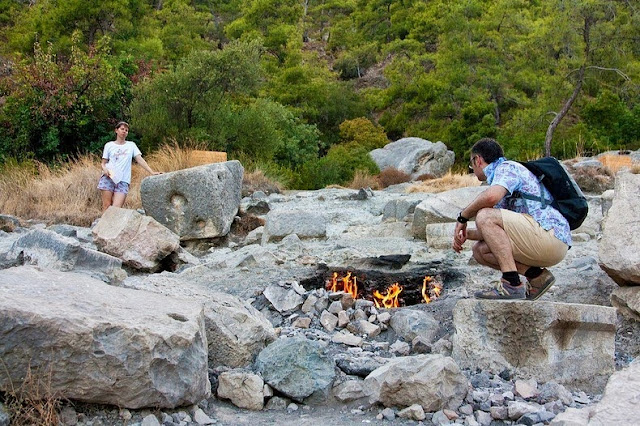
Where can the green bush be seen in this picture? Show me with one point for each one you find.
(59, 106)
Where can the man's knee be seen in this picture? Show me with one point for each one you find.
(488, 216)
(478, 250)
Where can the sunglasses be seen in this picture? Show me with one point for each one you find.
(471, 164)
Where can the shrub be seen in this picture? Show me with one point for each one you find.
(61, 106)
(337, 167)
(392, 176)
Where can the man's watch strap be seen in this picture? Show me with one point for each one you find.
(461, 218)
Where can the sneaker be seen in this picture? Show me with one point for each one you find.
(503, 290)
(538, 286)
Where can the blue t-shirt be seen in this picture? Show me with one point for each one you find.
(515, 177)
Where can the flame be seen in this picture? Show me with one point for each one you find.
(430, 289)
(348, 284)
(388, 300)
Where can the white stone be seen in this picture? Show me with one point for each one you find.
(104, 344)
(140, 241)
(328, 320)
(245, 390)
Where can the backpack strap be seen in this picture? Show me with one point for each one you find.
(541, 199)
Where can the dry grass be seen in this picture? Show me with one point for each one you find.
(363, 179)
(445, 183)
(258, 181)
(613, 163)
(68, 193)
(33, 403)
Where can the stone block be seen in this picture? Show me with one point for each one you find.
(571, 344)
(195, 203)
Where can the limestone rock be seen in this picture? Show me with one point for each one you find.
(442, 208)
(101, 344)
(283, 299)
(569, 343)
(347, 338)
(245, 390)
(413, 412)
(236, 331)
(415, 156)
(140, 241)
(305, 224)
(410, 323)
(620, 399)
(619, 247)
(627, 301)
(195, 203)
(328, 320)
(48, 249)
(351, 390)
(432, 381)
(296, 367)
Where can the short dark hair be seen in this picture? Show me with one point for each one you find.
(488, 149)
(121, 123)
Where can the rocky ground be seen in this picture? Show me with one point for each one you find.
(360, 232)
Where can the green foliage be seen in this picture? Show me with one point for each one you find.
(318, 97)
(361, 131)
(60, 106)
(358, 137)
(195, 99)
(288, 90)
(210, 97)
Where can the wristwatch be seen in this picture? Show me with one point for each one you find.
(461, 218)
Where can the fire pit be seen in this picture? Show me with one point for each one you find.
(419, 284)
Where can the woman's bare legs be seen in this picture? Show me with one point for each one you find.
(109, 198)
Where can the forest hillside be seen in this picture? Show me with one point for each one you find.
(304, 89)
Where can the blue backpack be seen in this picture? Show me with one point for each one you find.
(568, 198)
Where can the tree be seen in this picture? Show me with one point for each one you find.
(58, 105)
(598, 26)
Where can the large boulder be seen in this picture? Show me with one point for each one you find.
(571, 344)
(236, 331)
(140, 241)
(433, 381)
(442, 208)
(415, 156)
(195, 203)
(97, 343)
(49, 249)
(296, 367)
(619, 248)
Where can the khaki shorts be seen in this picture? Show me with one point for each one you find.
(531, 244)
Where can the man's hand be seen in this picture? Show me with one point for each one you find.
(459, 236)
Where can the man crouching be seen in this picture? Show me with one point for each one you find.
(513, 234)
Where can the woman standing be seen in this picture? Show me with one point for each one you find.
(116, 167)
